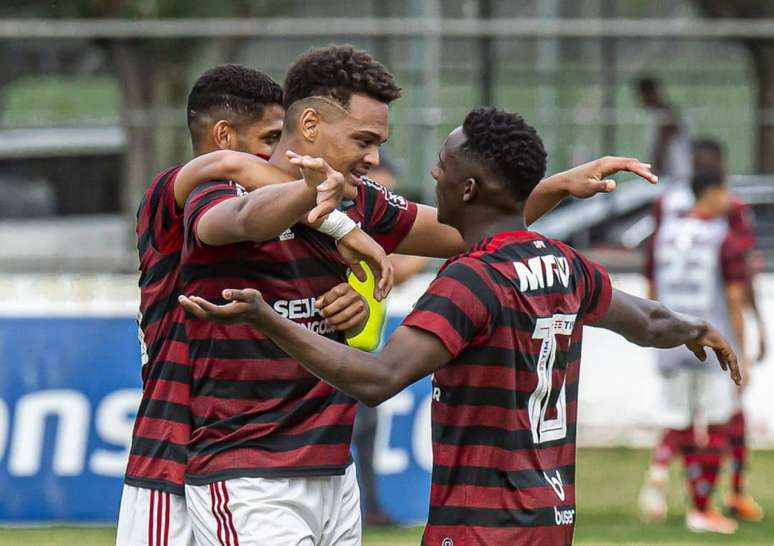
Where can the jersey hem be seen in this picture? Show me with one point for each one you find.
(298, 472)
(156, 485)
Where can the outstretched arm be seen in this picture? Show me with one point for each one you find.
(650, 324)
(430, 238)
(372, 378)
(249, 171)
(582, 181)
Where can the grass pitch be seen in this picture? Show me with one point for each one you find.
(608, 483)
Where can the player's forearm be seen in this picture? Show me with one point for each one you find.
(430, 238)
(259, 216)
(359, 374)
(546, 195)
(247, 170)
(649, 323)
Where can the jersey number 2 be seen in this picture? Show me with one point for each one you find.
(545, 430)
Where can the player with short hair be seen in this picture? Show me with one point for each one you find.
(230, 107)
(708, 159)
(500, 329)
(700, 268)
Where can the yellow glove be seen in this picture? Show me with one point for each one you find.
(370, 336)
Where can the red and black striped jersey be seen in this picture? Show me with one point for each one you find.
(255, 411)
(162, 427)
(511, 314)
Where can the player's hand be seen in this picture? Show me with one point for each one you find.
(330, 184)
(245, 306)
(358, 246)
(711, 339)
(344, 308)
(590, 178)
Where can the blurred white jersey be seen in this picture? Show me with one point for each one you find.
(694, 260)
(678, 156)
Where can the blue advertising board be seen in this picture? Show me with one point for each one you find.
(69, 389)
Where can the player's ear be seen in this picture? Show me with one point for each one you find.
(470, 190)
(309, 124)
(224, 135)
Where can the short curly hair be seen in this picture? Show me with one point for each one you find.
(507, 146)
(338, 71)
(234, 91)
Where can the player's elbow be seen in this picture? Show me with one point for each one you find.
(381, 390)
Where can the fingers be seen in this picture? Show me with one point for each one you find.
(335, 299)
(307, 162)
(322, 209)
(612, 165)
(192, 307)
(350, 316)
(384, 272)
(248, 295)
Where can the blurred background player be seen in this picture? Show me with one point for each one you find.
(699, 267)
(708, 158)
(670, 144)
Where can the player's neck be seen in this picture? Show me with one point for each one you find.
(482, 223)
(280, 158)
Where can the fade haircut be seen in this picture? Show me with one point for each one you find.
(507, 146)
(232, 92)
(337, 72)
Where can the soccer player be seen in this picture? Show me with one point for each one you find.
(500, 329)
(700, 268)
(708, 159)
(230, 107)
(265, 432)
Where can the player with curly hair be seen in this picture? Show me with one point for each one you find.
(500, 331)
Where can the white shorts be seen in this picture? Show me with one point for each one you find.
(314, 511)
(152, 518)
(692, 395)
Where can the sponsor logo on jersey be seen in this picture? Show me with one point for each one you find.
(564, 517)
(542, 272)
(304, 308)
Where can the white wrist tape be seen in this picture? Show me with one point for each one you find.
(337, 225)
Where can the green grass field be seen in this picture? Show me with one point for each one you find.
(608, 482)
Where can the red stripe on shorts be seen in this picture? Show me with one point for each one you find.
(230, 517)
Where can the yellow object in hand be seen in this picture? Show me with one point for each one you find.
(370, 337)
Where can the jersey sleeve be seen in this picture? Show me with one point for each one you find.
(598, 290)
(733, 260)
(384, 215)
(202, 199)
(163, 213)
(458, 307)
(741, 223)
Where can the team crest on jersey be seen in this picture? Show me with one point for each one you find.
(392, 198)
